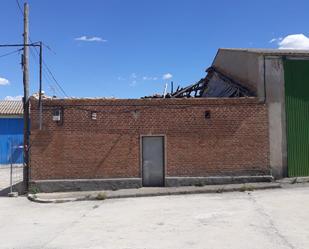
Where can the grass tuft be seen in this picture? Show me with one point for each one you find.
(101, 196)
(246, 188)
(34, 189)
(198, 184)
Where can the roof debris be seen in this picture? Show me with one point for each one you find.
(215, 84)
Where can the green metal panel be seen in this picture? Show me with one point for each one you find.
(296, 73)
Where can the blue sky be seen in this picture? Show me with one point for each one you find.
(126, 47)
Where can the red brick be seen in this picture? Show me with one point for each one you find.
(234, 141)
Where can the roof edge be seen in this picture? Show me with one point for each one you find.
(269, 51)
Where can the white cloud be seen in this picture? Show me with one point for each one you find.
(18, 97)
(4, 81)
(149, 78)
(167, 76)
(90, 39)
(294, 41)
(136, 79)
(276, 40)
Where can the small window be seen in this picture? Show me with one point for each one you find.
(207, 114)
(94, 115)
(57, 115)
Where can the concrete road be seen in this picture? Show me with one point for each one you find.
(267, 219)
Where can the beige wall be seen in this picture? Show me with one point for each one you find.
(265, 76)
(243, 67)
(275, 98)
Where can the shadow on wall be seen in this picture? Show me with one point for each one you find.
(40, 140)
(17, 187)
(101, 163)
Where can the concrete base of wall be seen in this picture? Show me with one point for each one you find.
(18, 188)
(48, 186)
(214, 180)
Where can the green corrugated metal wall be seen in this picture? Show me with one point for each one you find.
(296, 73)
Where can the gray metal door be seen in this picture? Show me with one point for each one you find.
(153, 161)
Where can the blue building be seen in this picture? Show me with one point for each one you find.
(11, 132)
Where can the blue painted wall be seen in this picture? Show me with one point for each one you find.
(11, 135)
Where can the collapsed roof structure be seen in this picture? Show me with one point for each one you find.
(215, 84)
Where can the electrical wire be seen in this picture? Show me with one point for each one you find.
(12, 52)
(19, 7)
(45, 76)
(49, 48)
(117, 112)
(49, 71)
(44, 63)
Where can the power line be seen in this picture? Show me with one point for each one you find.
(51, 78)
(46, 76)
(60, 87)
(19, 7)
(19, 45)
(31, 52)
(12, 52)
(50, 73)
(49, 48)
(44, 63)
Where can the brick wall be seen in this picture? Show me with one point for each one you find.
(233, 141)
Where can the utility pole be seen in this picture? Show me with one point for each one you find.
(40, 88)
(25, 68)
(25, 62)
